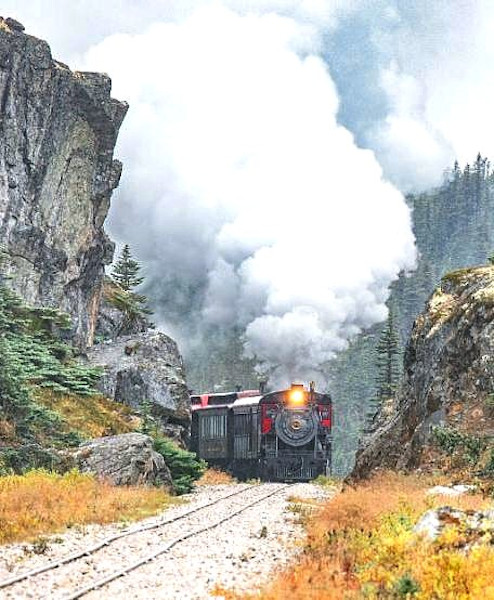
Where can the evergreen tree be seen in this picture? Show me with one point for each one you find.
(388, 360)
(133, 305)
(125, 271)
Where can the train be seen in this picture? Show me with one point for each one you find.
(282, 435)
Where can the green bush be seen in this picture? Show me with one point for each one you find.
(406, 586)
(23, 458)
(453, 441)
(184, 466)
(34, 347)
(33, 354)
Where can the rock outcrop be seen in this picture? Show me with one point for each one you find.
(474, 527)
(127, 459)
(58, 130)
(112, 322)
(449, 374)
(146, 370)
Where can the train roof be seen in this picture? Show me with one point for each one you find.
(248, 401)
(202, 401)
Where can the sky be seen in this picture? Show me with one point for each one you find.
(268, 146)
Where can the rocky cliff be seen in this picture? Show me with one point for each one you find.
(449, 375)
(58, 130)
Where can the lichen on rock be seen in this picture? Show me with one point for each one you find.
(58, 131)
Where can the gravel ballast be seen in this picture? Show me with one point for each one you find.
(238, 554)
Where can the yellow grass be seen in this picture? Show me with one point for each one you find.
(92, 416)
(40, 502)
(215, 477)
(361, 544)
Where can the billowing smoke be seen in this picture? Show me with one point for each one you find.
(414, 78)
(244, 193)
(240, 183)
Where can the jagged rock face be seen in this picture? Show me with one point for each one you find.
(57, 135)
(146, 369)
(127, 459)
(449, 374)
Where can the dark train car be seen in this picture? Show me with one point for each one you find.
(245, 438)
(209, 430)
(224, 430)
(279, 436)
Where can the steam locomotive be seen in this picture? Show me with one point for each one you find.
(278, 436)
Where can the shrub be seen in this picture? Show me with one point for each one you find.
(33, 347)
(361, 544)
(406, 586)
(33, 355)
(452, 441)
(41, 502)
(184, 466)
(215, 477)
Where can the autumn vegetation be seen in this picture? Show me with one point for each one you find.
(215, 477)
(361, 544)
(39, 503)
(91, 416)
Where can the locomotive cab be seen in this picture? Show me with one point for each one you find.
(295, 434)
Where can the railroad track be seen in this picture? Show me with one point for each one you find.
(162, 549)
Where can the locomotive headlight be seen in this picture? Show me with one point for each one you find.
(296, 397)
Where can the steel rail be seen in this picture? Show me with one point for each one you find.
(78, 593)
(109, 540)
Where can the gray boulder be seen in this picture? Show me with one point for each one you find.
(145, 371)
(476, 526)
(127, 459)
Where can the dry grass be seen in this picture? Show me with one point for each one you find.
(215, 477)
(362, 545)
(92, 416)
(40, 502)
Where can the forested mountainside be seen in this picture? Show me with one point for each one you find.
(454, 228)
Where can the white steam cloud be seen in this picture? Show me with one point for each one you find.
(244, 198)
(239, 180)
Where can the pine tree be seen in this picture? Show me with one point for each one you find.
(125, 271)
(133, 305)
(388, 360)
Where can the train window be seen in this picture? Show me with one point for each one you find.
(212, 427)
(242, 424)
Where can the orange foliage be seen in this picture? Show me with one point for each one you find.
(361, 544)
(41, 502)
(215, 477)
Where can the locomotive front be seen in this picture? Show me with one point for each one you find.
(295, 441)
